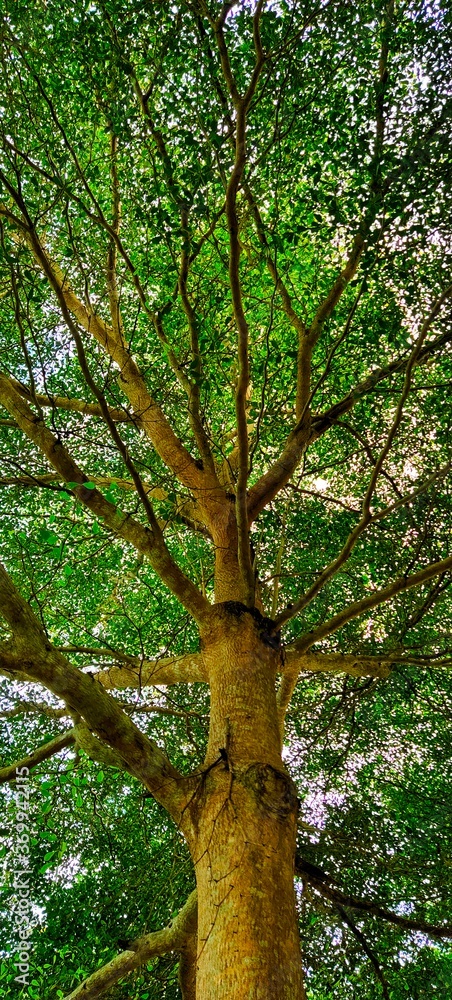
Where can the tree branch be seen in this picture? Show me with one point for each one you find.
(245, 561)
(117, 414)
(296, 663)
(48, 478)
(366, 906)
(355, 666)
(112, 282)
(146, 410)
(138, 673)
(43, 752)
(149, 541)
(278, 475)
(366, 516)
(366, 949)
(359, 665)
(172, 938)
(32, 708)
(194, 385)
(241, 105)
(190, 385)
(378, 597)
(304, 350)
(375, 202)
(85, 697)
(322, 422)
(187, 966)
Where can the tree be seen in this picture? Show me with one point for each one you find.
(226, 328)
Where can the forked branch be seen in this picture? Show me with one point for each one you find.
(323, 421)
(330, 571)
(366, 949)
(375, 200)
(241, 104)
(117, 414)
(146, 411)
(355, 610)
(112, 278)
(149, 541)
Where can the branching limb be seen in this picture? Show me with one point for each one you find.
(194, 385)
(86, 698)
(146, 411)
(149, 541)
(300, 658)
(335, 346)
(366, 516)
(122, 449)
(153, 709)
(355, 666)
(322, 422)
(279, 474)
(359, 665)
(440, 585)
(181, 199)
(296, 663)
(350, 268)
(241, 105)
(150, 416)
(366, 949)
(304, 350)
(116, 245)
(347, 274)
(32, 708)
(102, 482)
(96, 749)
(337, 897)
(294, 319)
(73, 405)
(188, 963)
(172, 938)
(112, 281)
(245, 561)
(47, 750)
(378, 597)
(188, 669)
(304, 347)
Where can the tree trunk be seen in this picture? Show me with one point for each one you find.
(243, 815)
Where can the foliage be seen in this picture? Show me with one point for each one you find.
(118, 148)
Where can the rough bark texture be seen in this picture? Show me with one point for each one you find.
(243, 823)
(247, 925)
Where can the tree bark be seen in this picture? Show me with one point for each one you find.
(243, 817)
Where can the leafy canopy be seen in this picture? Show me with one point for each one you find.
(303, 310)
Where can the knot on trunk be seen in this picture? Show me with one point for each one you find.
(265, 626)
(273, 789)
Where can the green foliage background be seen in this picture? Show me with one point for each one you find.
(371, 758)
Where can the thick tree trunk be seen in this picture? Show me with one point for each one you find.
(244, 813)
(247, 925)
